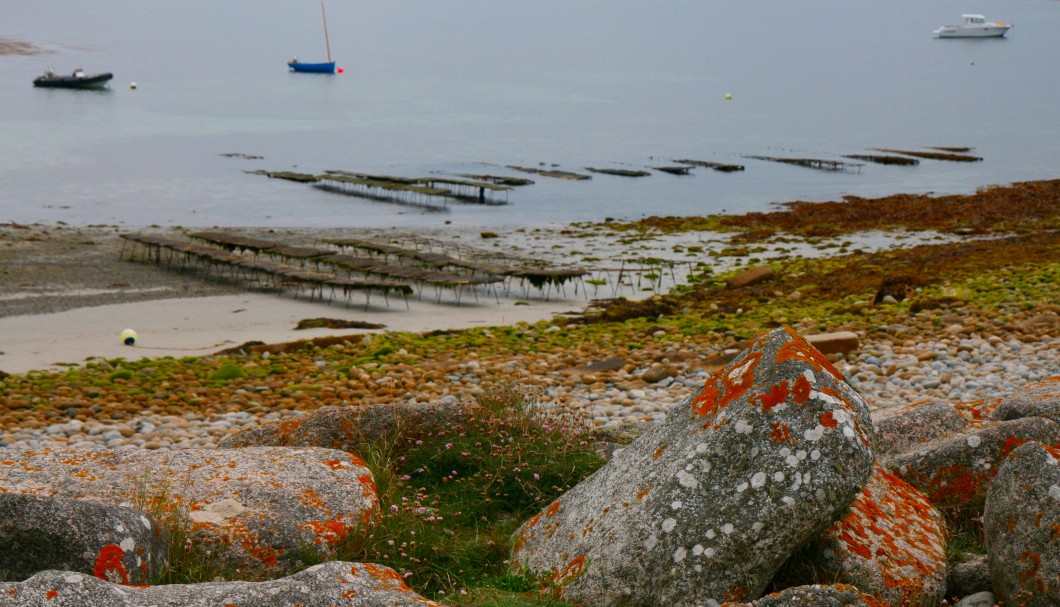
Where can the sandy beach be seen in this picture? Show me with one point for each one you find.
(67, 293)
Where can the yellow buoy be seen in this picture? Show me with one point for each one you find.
(128, 337)
(728, 96)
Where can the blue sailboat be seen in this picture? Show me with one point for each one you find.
(316, 68)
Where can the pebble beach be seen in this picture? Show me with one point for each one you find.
(953, 354)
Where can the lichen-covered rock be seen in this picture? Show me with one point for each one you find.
(332, 584)
(956, 472)
(836, 595)
(260, 509)
(708, 504)
(351, 428)
(1021, 524)
(892, 544)
(1041, 399)
(902, 429)
(113, 543)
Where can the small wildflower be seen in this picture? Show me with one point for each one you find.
(448, 445)
(393, 508)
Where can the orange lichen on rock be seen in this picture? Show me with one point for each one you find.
(569, 573)
(109, 565)
(726, 386)
(899, 537)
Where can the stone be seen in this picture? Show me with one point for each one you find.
(979, 599)
(708, 504)
(658, 372)
(599, 366)
(956, 472)
(113, 543)
(835, 595)
(751, 276)
(258, 509)
(891, 544)
(1021, 525)
(351, 428)
(839, 342)
(1041, 399)
(969, 576)
(334, 583)
(901, 429)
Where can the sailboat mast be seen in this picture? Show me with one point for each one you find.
(326, 41)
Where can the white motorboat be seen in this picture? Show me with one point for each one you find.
(974, 26)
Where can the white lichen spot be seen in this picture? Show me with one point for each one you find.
(697, 549)
(758, 480)
(711, 534)
(788, 500)
(974, 441)
(669, 524)
(127, 544)
(784, 452)
(815, 454)
(687, 480)
(801, 454)
(815, 434)
(1054, 492)
(680, 554)
(145, 521)
(727, 528)
(820, 494)
(119, 528)
(677, 504)
(758, 526)
(791, 460)
(651, 542)
(709, 552)
(828, 398)
(741, 487)
(778, 477)
(806, 479)
(743, 427)
(698, 568)
(73, 579)
(702, 448)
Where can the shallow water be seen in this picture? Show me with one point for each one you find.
(472, 86)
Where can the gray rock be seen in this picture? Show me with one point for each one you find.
(122, 545)
(902, 429)
(955, 473)
(1041, 399)
(334, 583)
(1020, 523)
(259, 509)
(971, 576)
(708, 504)
(838, 595)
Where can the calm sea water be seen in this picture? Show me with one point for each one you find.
(469, 86)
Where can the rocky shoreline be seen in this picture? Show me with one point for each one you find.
(952, 346)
